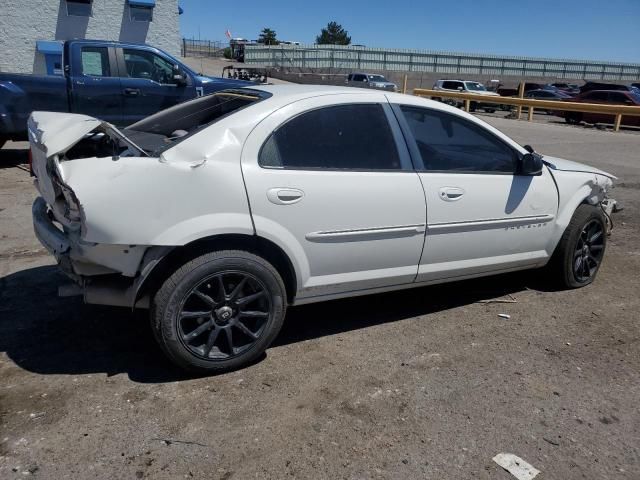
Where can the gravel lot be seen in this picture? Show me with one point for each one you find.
(426, 383)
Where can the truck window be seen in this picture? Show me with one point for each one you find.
(95, 61)
(144, 64)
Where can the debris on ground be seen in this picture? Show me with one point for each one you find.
(504, 315)
(516, 466)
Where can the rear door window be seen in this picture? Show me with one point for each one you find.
(95, 61)
(450, 85)
(354, 136)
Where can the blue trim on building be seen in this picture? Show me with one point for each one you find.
(49, 47)
(142, 3)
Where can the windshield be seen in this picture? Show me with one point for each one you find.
(478, 87)
(376, 78)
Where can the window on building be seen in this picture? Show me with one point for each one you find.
(79, 8)
(140, 13)
(340, 137)
(95, 61)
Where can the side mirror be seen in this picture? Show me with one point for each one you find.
(460, 89)
(179, 77)
(530, 164)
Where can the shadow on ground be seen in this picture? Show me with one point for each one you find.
(45, 334)
(13, 157)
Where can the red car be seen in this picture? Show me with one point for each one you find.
(610, 97)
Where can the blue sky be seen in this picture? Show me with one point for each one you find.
(585, 29)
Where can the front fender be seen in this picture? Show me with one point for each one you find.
(575, 188)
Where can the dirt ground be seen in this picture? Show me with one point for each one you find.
(425, 383)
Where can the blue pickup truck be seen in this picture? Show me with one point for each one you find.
(120, 83)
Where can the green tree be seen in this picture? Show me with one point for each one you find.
(334, 34)
(268, 37)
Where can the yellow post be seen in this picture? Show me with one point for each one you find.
(530, 115)
(616, 125)
(467, 105)
(520, 95)
(404, 84)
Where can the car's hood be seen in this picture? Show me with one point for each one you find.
(570, 166)
(484, 92)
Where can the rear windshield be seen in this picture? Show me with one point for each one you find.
(164, 129)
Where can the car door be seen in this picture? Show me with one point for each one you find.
(481, 216)
(95, 86)
(600, 97)
(329, 179)
(147, 83)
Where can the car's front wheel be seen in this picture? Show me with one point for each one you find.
(219, 311)
(579, 254)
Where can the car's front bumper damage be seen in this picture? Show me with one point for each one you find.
(103, 274)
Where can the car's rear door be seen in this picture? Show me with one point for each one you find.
(94, 82)
(329, 179)
(481, 216)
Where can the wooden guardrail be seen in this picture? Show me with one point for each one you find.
(617, 110)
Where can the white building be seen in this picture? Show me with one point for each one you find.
(33, 31)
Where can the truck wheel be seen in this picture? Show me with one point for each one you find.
(218, 312)
(578, 256)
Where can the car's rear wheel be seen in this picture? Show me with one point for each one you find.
(579, 254)
(219, 311)
(573, 118)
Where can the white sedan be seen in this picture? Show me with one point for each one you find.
(218, 213)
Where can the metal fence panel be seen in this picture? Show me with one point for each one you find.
(363, 58)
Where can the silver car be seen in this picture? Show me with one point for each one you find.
(368, 80)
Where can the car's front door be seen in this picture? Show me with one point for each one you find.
(147, 84)
(481, 216)
(329, 179)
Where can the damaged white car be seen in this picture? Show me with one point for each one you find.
(218, 213)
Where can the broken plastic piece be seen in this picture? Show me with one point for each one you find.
(504, 315)
(516, 466)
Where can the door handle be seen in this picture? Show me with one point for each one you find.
(132, 92)
(451, 194)
(284, 196)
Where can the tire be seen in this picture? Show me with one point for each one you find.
(578, 256)
(573, 118)
(205, 330)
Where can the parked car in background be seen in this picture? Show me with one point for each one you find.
(554, 95)
(610, 97)
(466, 86)
(570, 88)
(514, 92)
(117, 82)
(589, 86)
(369, 80)
(290, 194)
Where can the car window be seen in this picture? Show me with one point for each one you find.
(448, 142)
(95, 61)
(617, 97)
(358, 78)
(596, 96)
(451, 85)
(144, 64)
(355, 136)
